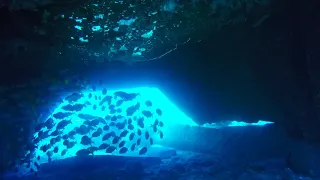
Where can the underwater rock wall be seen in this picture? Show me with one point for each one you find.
(234, 143)
(256, 160)
(125, 31)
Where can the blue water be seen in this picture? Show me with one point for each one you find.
(185, 151)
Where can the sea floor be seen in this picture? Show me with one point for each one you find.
(166, 164)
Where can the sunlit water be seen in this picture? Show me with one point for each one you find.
(171, 115)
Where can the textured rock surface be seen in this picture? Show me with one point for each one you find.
(183, 166)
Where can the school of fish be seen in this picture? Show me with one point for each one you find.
(123, 125)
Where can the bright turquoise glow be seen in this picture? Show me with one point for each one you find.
(259, 123)
(236, 124)
(171, 115)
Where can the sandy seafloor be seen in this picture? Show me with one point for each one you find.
(168, 165)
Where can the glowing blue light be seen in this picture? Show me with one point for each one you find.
(259, 123)
(170, 115)
(236, 124)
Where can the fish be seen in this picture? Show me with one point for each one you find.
(124, 133)
(36, 140)
(156, 122)
(147, 114)
(148, 103)
(45, 134)
(140, 122)
(119, 102)
(123, 150)
(74, 97)
(129, 121)
(154, 128)
(151, 141)
(131, 136)
(110, 149)
(83, 152)
(116, 139)
(120, 117)
(65, 137)
(45, 147)
(126, 96)
(89, 96)
(104, 91)
(92, 149)
(66, 142)
(97, 133)
(94, 107)
(146, 135)
(143, 151)
(103, 108)
(49, 123)
(63, 152)
(86, 116)
(82, 130)
(122, 143)
(58, 138)
(55, 133)
(87, 103)
(133, 147)
(75, 107)
(85, 140)
(94, 122)
(113, 111)
(69, 144)
(107, 117)
(105, 99)
(111, 107)
(102, 120)
(62, 115)
(62, 124)
(121, 125)
(103, 146)
(132, 109)
(138, 141)
(130, 127)
(139, 132)
(161, 124)
(40, 133)
(161, 134)
(72, 133)
(114, 118)
(107, 136)
(159, 112)
(56, 149)
(106, 128)
(137, 105)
